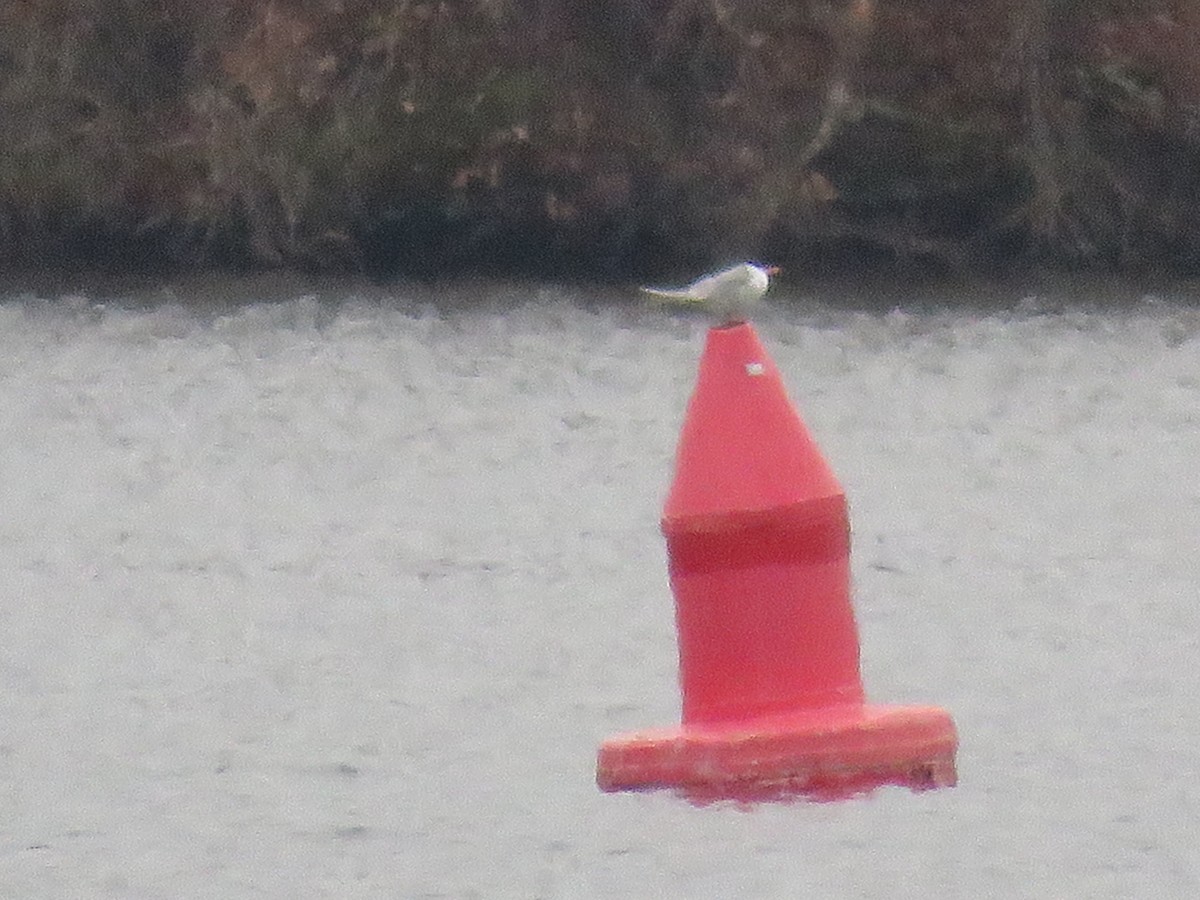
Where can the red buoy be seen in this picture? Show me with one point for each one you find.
(758, 540)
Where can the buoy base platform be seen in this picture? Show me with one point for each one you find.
(825, 754)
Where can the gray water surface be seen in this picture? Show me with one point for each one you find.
(337, 598)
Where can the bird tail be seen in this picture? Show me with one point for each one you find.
(666, 295)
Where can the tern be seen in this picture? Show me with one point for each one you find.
(729, 294)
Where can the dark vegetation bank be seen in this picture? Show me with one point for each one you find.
(603, 139)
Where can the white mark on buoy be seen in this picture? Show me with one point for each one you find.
(755, 368)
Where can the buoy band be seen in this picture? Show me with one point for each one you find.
(802, 534)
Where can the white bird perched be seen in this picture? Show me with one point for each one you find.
(729, 294)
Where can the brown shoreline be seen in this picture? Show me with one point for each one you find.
(626, 140)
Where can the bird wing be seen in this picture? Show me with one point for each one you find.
(683, 295)
(706, 288)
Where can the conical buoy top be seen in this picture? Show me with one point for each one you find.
(743, 450)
